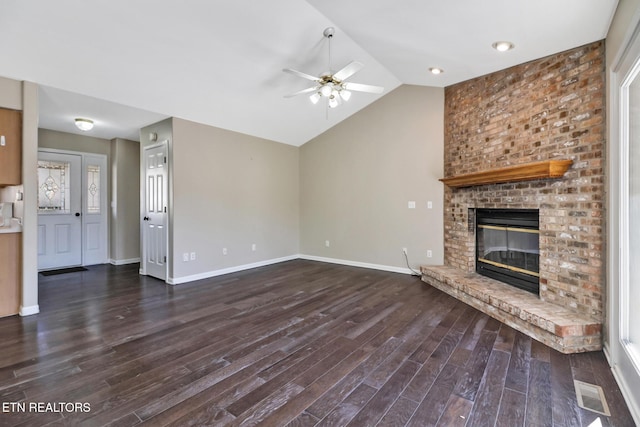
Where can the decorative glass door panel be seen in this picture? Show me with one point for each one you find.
(59, 210)
(53, 187)
(93, 189)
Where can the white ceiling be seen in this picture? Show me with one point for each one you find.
(127, 64)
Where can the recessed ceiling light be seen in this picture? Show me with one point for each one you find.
(502, 46)
(436, 70)
(84, 124)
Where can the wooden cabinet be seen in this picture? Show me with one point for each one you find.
(10, 147)
(10, 276)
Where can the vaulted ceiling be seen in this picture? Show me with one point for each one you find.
(127, 64)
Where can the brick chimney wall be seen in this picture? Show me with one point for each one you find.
(551, 108)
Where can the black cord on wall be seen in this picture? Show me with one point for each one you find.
(415, 273)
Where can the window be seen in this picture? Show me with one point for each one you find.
(93, 189)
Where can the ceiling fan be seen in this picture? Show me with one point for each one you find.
(333, 86)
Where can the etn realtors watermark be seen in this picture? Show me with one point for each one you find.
(45, 407)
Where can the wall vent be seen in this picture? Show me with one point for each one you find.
(591, 397)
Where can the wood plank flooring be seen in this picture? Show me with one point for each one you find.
(299, 343)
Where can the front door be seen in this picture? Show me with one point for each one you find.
(59, 210)
(154, 221)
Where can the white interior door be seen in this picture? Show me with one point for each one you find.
(154, 221)
(59, 210)
(94, 210)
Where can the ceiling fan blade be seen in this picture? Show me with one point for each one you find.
(301, 74)
(348, 71)
(300, 92)
(358, 87)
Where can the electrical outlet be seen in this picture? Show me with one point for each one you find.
(253, 247)
(429, 204)
(185, 257)
(404, 251)
(429, 254)
(224, 251)
(193, 256)
(411, 204)
(327, 243)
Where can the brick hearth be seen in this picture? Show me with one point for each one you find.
(563, 329)
(551, 108)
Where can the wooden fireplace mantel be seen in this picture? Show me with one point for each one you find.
(527, 172)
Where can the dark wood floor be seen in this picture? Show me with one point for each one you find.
(299, 343)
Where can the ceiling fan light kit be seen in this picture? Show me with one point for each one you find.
(333, 86)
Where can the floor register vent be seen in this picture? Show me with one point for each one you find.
(591, 397)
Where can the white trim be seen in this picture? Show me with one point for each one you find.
(627, 393)
(389, 268)
(123, 261)
(208, 274)
(30, 310)
(214, 273)
(624, 68)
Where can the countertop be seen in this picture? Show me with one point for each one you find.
(14, 227)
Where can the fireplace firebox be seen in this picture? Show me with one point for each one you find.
(507, 246)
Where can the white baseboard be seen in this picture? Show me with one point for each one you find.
(628, 394)
(626, 391)
(30, 310)
(358, 264)
(124, 261)
(214, 273)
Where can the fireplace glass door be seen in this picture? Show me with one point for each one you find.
(507, 247)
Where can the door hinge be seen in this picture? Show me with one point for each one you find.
(165, 209)
(165, 258)
(165, 159)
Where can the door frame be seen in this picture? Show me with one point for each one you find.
(104, 198)
(620, 353)
(143, 199)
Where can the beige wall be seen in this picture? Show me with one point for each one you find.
(357, 178)
(72, 142)
(125, 201)
(10, 94)
(231, 191)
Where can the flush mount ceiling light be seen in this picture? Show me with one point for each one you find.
(332, 86)
(436, 70)
(502, 46)
(84, 124)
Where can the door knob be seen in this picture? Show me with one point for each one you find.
(146, 218)
(77, 213)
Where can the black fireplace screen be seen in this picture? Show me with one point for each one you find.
(507, 246)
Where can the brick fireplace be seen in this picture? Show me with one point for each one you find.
(551, 108)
